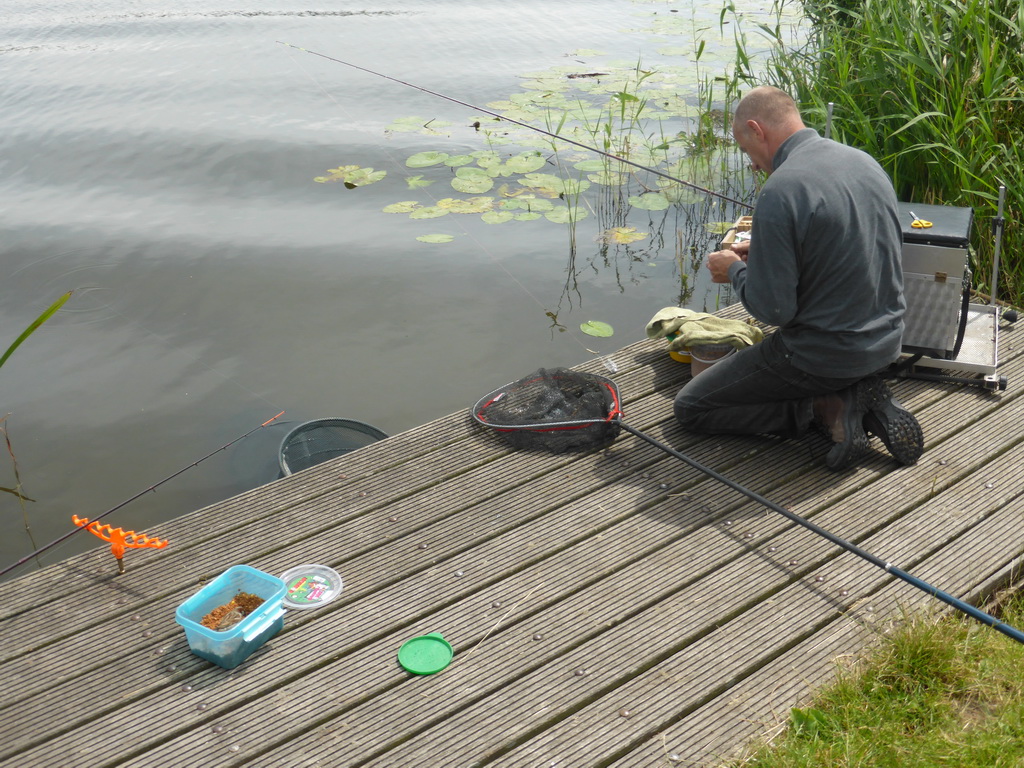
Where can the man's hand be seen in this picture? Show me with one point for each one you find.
(719, 263)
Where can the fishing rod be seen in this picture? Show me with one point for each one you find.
(899, 573)
(153, 487)
(570, 419)
(526, 125)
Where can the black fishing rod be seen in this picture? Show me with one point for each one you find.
(549, 410)
(526, 125)
(899, 573)
(153, 487)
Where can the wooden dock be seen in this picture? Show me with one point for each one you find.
(615, 608)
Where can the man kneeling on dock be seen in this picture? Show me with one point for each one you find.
(823, 263)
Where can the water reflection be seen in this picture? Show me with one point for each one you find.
(162, 165)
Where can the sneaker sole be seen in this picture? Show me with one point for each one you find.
(841, 455)
(896, 427)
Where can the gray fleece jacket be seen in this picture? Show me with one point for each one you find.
(825, 258)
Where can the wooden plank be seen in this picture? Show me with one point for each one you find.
(443, 481)
(588, 729)
(743, 576)
(392, 596)
(414, 590)
(173, 630)
(545, 705)
(758, 707)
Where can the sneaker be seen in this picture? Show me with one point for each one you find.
(895, 426)
(845, 424)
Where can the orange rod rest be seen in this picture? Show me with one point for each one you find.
(119, 539)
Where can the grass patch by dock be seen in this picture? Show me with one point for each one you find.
(945, 692)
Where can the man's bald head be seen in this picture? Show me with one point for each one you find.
(772, 108)
(763, 120)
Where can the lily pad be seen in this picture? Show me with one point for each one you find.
(456, 161)
(435, 238)
(526, 162)
(406, 206)
(597, 328)
(352, 176)
(532, 98)
(586, 114)
(416, 124)
(501, 169)
(622, 235)
(547, 84)
(426, 159)
(574, 187)
(487, 158)
(650, 201)
(566, 215)
(594, 164)
(523, 114)
(428, 212)
(510, 191)
(500, 105)
(528, 216)
(527, 203)
(609, 178)
(497, 217)
(468, 205)
(678, 193)
(415, 182)
(559, 185)
(472, 180)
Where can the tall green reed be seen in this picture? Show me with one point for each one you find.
(34, 326)
(16, 489)
(932, 89)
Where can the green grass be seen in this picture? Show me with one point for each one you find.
(933, 693)
(934, 89)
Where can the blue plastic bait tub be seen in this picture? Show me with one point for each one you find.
(229, 648)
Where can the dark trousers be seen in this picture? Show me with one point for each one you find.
(757, 391)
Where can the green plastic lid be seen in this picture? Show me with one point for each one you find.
(426, 654)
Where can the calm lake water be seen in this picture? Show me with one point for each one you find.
(161, 163)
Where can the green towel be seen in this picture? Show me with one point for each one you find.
(695, 328)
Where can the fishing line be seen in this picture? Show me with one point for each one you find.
(525, 125)
(153, 487)
(182, 350)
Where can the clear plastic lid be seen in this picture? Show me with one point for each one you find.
(310, 586)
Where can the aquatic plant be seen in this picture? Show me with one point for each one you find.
(34, 325)
(655, 113)
(16, 490)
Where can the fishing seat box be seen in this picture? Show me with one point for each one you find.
(936, 279)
